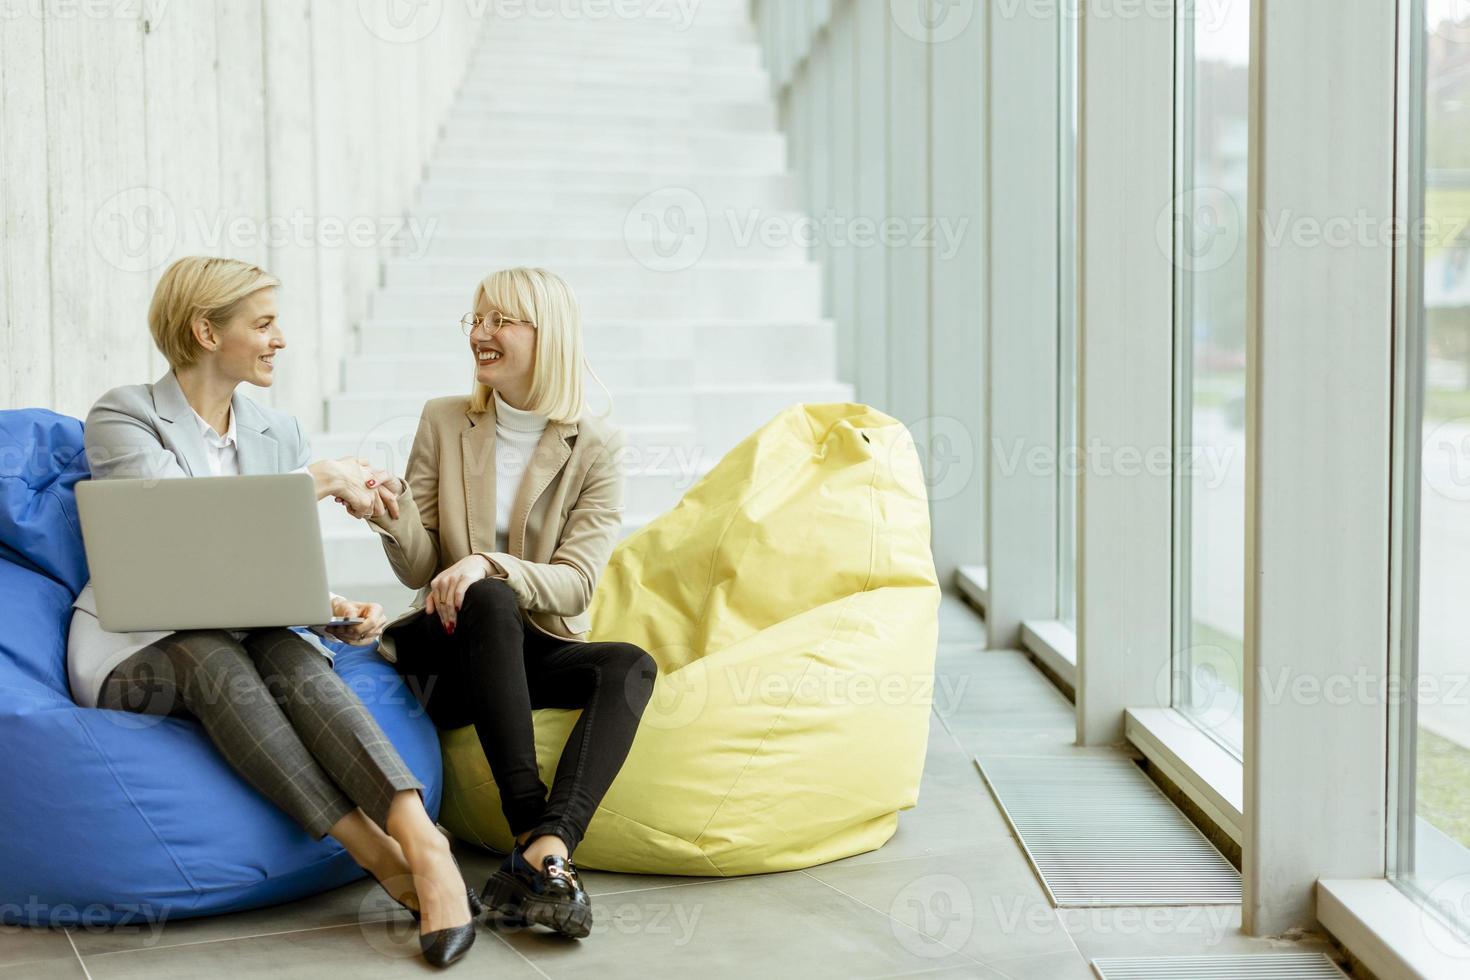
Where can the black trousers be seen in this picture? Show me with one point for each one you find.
(495, 669)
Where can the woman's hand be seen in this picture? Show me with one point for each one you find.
(446, 591)
(372, 616)
(350, 480)
(387, 488)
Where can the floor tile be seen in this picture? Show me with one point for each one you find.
(1051, 966)
(361, 901)
(21, 944)
(984, 901)
(1067, 965)
(774, 926)
(944, 822)
(385, 948)
(1192, 931)
(55, 969)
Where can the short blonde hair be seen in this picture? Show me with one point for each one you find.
(545, 299)
(199, 286)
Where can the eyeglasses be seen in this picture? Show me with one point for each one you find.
(470, 322)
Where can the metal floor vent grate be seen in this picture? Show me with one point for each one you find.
(1267, 966)
(1100, 833)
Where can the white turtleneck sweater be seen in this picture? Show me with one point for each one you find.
(517, 433)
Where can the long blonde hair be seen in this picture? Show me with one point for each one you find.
(545, 299)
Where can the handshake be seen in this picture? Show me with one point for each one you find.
(357, 485)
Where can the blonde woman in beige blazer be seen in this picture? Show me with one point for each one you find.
(511, 505)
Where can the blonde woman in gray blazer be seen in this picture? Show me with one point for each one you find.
(269, 699)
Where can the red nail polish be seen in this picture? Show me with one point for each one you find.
(372, 483)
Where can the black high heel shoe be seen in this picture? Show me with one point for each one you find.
(446, 946)
(443, 947)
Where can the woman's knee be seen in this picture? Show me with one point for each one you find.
(634, 666)
(288, 663)
(488, 594)
(282, 651)
(209, 666)
(204, 653)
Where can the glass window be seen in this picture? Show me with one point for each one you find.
(1067, 317)
(1211, 127)
(1430, 843)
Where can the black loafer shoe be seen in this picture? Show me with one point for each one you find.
(551, 895)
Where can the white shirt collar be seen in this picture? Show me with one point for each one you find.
(214, 438)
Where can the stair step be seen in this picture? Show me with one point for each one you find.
(758, 116)
(774, 349)
(364, 373)
(702, 292)
(673, 110)
(538, 56)
(373, 372)
(490, 141)
(712, 412)
(629, 164)
(735, 86)
(584, 176)
(723, 83)
(711, 193)
(797, 280)
(498, 242)
(512, 126)
(728, 227)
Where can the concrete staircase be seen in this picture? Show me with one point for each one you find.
(643, 164)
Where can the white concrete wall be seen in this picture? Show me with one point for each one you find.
(291, 133)
(884, 119)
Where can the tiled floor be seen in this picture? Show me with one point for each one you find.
(951, 895)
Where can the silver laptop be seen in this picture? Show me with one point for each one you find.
(222, 552)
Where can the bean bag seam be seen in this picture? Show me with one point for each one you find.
(49, 488)
(51, 491)
(30, 695)
(811, 658)
(167, 848)
(664, 833)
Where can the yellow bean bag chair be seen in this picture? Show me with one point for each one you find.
(791, 602)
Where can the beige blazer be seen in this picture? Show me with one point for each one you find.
(564, 524)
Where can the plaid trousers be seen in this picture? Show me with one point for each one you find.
(277, 712)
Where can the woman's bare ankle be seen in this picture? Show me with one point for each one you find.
(409, 824)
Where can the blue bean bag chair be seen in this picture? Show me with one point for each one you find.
(117, 818)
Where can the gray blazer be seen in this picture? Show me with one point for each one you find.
(149, 431)
(143, 431)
